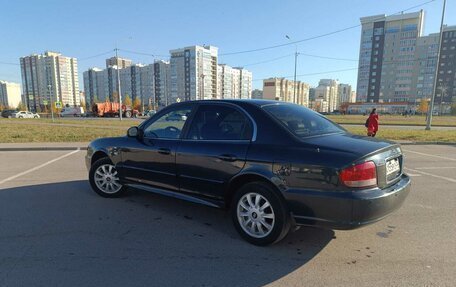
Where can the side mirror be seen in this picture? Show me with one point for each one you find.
(133, 132)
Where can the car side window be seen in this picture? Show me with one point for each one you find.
(219, 122)
(169, 125)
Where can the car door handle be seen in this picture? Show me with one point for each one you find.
(163, 150)
(227, 157)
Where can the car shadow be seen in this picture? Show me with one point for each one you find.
(64, 234)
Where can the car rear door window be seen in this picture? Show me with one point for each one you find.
(219, 122)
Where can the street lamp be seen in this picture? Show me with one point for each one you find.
(295, 64)
(118, 83)
(431, 108)
(118, 80)
(50, 101)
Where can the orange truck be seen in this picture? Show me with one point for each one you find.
(109, 109)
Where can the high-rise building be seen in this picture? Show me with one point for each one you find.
(321, 101)
(10, 94)
(146, 83)
(332, 96)
(345, 94)
(193, 73)
(353, 97)
(311, 94)
(233, 83)
(245, 83)
(162, 83)
(446, 77)
(387, 56)
(47, 76)
(225, 82)
(424, 67)
(118, 62)
(95, 86)
(281, 89)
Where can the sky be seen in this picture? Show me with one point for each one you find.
(90, 29)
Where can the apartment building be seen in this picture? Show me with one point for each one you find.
(446, 76)
(49, 76)
(161, 83)
(233, 83)
(148, 83)
(344, 94)
(118, 62)
(424, 68)
(281, 89)
(193, 73)
(10, 94)
(387, 56)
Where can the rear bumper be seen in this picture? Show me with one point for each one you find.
(348, 210)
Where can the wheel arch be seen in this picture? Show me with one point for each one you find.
(244, 178)
(98, 155)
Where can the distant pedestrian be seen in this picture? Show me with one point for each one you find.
(372, 123)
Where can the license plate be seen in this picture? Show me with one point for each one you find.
(392, 166)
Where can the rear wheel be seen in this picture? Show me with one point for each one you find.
(128, 114)
(104, 179)
(259, 214)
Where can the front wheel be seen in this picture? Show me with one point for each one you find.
(259, 214)
(104, 179)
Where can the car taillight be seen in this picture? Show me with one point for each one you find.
(360, 175)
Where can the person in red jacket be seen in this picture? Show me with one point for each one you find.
(372, 126)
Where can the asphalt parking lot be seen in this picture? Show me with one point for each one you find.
(54, 231)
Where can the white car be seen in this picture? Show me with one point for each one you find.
(72, 112)
(25, 115)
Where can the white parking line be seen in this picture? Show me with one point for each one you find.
(413, 174)
(431, 155)
(38, 167)
(433, 175)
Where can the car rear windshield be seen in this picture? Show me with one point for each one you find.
(301, 121)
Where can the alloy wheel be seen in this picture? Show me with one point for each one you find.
(106, 179)
(255, 215)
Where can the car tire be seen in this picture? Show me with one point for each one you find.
(128, 114)
(103, 179)
(259, 214)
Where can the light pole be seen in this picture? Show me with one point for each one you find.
(431, 108)
(118, 83)
(50, 101)
(295, 65)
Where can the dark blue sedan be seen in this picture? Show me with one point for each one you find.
(274, 165)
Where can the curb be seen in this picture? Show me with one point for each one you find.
(41, 148)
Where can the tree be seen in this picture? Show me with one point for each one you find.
(21, 107)
(424, 106)
(137, 104)
(344, 107)
(127, 100)
(2, 107)
(115, 97)
(453, 109)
